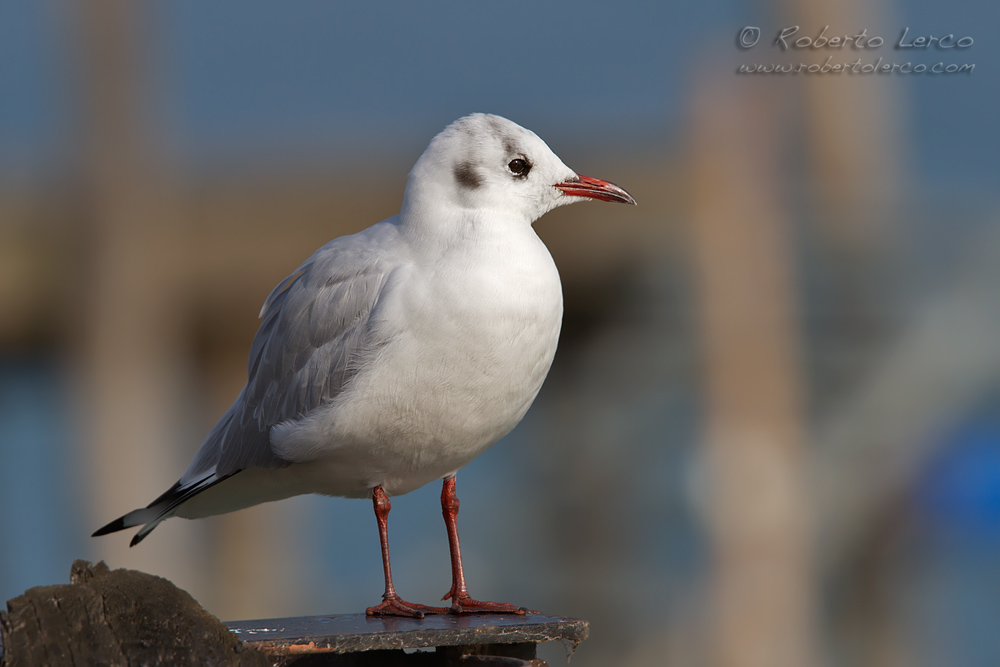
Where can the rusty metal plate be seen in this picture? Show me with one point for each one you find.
(348, 633)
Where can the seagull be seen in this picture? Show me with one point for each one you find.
(395, 356)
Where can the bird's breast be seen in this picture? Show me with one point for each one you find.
(486, 334)
(472, 339)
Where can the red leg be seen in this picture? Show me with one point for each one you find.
(392, 604)
(461, 603)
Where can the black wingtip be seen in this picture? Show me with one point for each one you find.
(113, 527)
(152, 514)
(119, 524)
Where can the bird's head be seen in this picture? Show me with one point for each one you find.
(488, 163)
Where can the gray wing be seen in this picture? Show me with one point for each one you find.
(314, 325)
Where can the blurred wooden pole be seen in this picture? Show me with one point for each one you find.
(854, 127)
(130, 337)
(145, 277)
(763, 579)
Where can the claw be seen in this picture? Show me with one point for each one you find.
(395, 606)
(463, 604)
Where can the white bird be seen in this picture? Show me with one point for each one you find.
(395, 356)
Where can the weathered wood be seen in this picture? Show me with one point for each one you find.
(120, 617)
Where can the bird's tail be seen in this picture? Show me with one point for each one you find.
(162, 508)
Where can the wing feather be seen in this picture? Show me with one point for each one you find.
(314, 324)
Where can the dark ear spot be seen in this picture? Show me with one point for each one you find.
(466, 176)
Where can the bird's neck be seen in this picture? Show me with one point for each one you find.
(437, 223)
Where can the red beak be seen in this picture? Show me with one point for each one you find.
(595, 188)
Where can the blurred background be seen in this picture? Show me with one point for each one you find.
(771, 435)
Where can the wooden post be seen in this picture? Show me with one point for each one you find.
(763, 583)
(128, 359)
(124, 617)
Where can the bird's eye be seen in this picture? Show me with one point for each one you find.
(519, 167)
